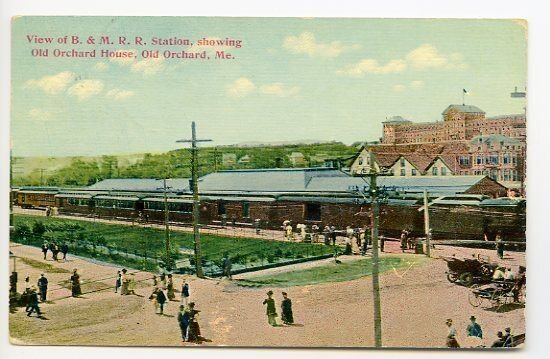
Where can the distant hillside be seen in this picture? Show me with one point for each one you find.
(82, 171)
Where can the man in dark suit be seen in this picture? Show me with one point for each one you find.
(33, 303)
(42, 287)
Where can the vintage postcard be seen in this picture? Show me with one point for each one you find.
(268, 182)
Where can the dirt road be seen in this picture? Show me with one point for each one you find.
(415, 304)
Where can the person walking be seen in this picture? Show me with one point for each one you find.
(227, 267)
(499, 245)
(326, 235)
(170, 288)
(125, 281)
(42, 287)
(183, 321)
(33, 303)
(64, 250)
(55, 251)
(75, 284)
(474, 329)
(194, 331)
(403, 240)
(45, 249)
(163, 280)
(118, 282)
(161, 300)
(286, 310)
(184, 293)
(451, 335)
(289, 233)
(333, 235)
(270, 310)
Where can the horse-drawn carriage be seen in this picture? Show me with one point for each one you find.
(468, 271)
(497, 294)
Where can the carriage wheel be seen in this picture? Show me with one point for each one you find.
(452, 277)
(475, 299)
(498, 299)
(466, 279)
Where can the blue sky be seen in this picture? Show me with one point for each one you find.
(293, 78)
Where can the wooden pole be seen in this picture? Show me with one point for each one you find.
(196, 214)
(375, 268)
(167, 229)
(427, 224)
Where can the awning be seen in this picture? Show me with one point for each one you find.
(169, 200)
(118, 198)
(74, 195)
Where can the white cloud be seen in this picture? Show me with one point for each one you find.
(119, 94)
(278, 89)
(427, 57)
(52, 84)
(101, 66)
(240, 87)
(305, 43)
(373, 67)
(86, 88)
(148, 66)
(40, 115)
(424, 57)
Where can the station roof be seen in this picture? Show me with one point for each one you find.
(141, 185)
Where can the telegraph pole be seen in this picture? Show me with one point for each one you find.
(167, 227)
(375, 270)
(195, 187)
(427, 224)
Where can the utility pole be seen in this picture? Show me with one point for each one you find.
(427, 229)
(195, 187)
(375, 270)
(215, 159)
(42, 170)
(167, 226)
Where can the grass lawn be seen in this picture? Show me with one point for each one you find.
(332, 272)
(140, 240)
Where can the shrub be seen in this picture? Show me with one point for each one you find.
(38, 228)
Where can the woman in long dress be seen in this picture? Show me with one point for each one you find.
(75, 284)
(286, 310)
(194, 331)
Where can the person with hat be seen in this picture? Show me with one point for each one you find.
(161, 300)
(270, 310)
(499, 343)
(184, 293)
(42, 287)
(45, 249)
(125, 280)
(118, 281)
(170, 288)
(451, 335)
(474, 329)
(519, 284)
(33, 303)
(498, 275)
(183, 320)
(75, 284)
(286, 310)
(508, 338)
(194, 332)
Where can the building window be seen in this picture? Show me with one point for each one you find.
(479, 160)
(402, 172)
(313, 211)
(360, 161)
(443, 171)
(464, 160)
(413, 172)
(402, 163)
(434, 171)
(246, 209)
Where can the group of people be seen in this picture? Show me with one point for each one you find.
(55, 249)
(287, 316)
(360, 236)
(189, 325)
(505, 279)
(126, 282)
(473, 330)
